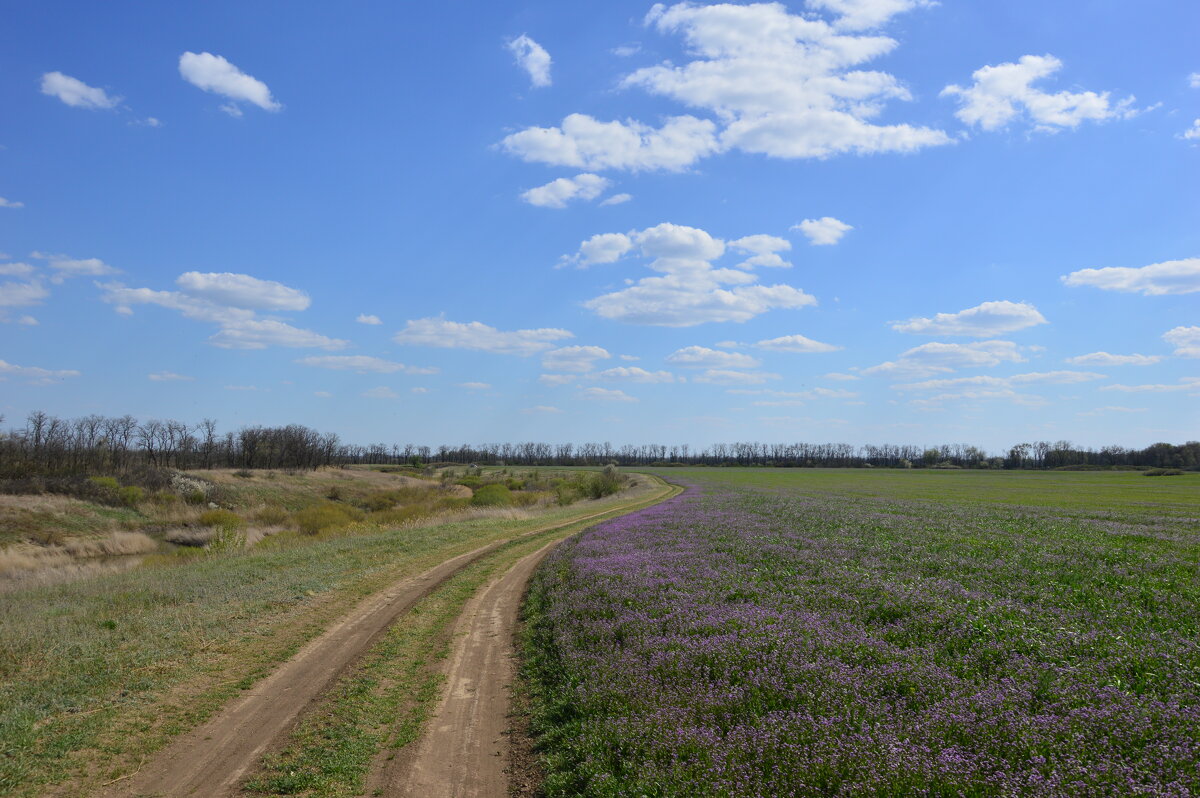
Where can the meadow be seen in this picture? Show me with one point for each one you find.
(809, 632)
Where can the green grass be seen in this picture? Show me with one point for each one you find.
(96, 673)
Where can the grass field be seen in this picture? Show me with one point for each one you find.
(807, 632)
(97, 672)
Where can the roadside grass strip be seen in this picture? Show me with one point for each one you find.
(96, 675)
(759, 638)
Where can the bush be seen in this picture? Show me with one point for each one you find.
(492, 496)
(271, 516)
(243, 473)
(196, 497)
(1164, 472)
(106, 483)
(324, 517)
(131, 495)
(221, 519)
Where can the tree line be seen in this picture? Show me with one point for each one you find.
(48, 445)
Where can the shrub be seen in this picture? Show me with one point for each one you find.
(165, 498)
(106, 483)
(334, 494)
(271, 516)
(380, 501)
(492, 496)
(1164, 472)
(131, 495)
(474, 483)
(243, 473)
(222, 519)
(323, 517)
(196, 497)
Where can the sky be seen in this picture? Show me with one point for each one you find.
(865, 221)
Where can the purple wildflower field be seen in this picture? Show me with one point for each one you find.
(750, 642)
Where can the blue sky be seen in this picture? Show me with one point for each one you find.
(853, 220)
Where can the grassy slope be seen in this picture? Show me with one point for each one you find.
(96, 673)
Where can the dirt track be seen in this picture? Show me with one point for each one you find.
(214, 758)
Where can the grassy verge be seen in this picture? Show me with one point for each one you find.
(96, 674)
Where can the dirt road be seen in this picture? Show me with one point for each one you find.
(214, 758)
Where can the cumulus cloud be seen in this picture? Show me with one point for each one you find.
(795, 343)
(1004, 92)
(617, 199)
(605, 395)
(557, 193)
(764, 251)
(775, 83)
(363, 318)
(1044, 377)
(214, 74)
(439, 332)
(76, 93)
(229, 301)
(382, 392)
(242, 291)
(733, 377)
(866, 14)
(941, 358)
(1190, 385)
(824, 231)
(475, 386)
(703, 357)
(793, 398)
(1186, 341)
(1192, 133)
(533, 58)
(14, 294)
(363, 364)
(840, 376)
(542, 410)
(64, 266)
(635, 374)
(557, 379)
(574, 358)
(16, 270)
(1194, 80)
(35, 374)
(169, 376)
(690, 290)
(584, 142)
(7, 203)
(981, 321)
(1157, 279)
(1103, 359)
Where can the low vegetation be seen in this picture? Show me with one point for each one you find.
(919, 633)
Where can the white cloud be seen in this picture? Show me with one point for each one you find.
(65, 266)
(1003, 92)
(1105, 359)
(322, 394)
(1186, 341)
(824, 231)
(1194, 80)
(574, 358)
(382, 392)
(793, 398)
(1192, 133)
(16, 270)
(691, 290)
(27, 321)
(605, 395)
(76, 93)
(533, 58)
(703, 357)
(795, 343)
(418, 390)
(1111, 409)
(363, 364)
(989, 318)
(250, 388)
(732, 377)
(242, 291)
(437, 331)
(866, 14)
(542, 410)
(1188, 384)
(626, 50)
(634, 374)
(941, 358)
(1064, 377)
(261, 333)
(557, 193)
(21, 294)
(169, 376)
(1157, 279)
(557, 379)
(840, 377)
(214, 74)
(363, 318)
(587, 143)
(781, 84)
(983, 387)
(475, 386)
(764, 250)
(7, 203)
(35, 374)
(617, 199)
